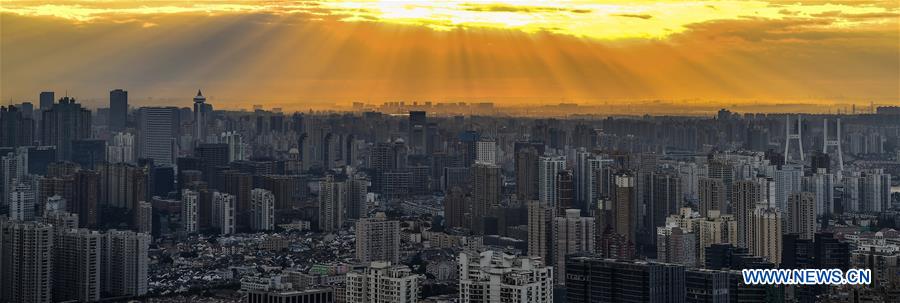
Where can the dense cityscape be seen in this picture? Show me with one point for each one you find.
(414, 202)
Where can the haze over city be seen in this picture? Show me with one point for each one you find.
(317, 54)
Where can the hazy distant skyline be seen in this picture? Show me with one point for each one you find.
(294, 54)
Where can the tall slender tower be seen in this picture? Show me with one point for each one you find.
(834, 142)
(199, 118)
(793, 132)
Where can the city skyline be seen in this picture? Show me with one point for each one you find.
(305, 54)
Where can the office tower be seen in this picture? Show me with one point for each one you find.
(592, 279)
(565, 192)
(486, 185)
(123, 263)
(200, 119)
(377, 239)
(16, 129)
(714, 229)
(661, 195)
(332, 198)
(120, 148)
(64, 122)
(223, 212)
(829, 252)
(456, 177)
(161, 180)
(85, 195)
(190, 202)
(46, 100)
(706, 286)
(486, 151)
(727, 256)
(675, 245)
(287, 189)
(788, 180)
(26, 263)
(39, 158)
(143, 218)
(624, 210)
(745, 195)
(572, 234)
(712, 196)
(88, 152)
(383, 282)
(158, 131)
(76, 266)
(357, 197)
(262, 210)
(548, 169)
(526, 165)
(122, 185)
(497, 277)
(213, 156)
(21, 202)
(766, 225)
(540, 226)
(456, 208)
(118, 109)
(801, 215)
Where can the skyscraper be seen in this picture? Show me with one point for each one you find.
(485, 193)
(540, 226)
(262, 210)
(497, 277)
(76, 271)
(158, 130)
(223, 213)
(200, 119)
(572, 234)
(21, 202)
(712, 196)
(745, 195)
(526, 166)
(383, 282)
(801, 215)
(65, 122)
(143, 217)
(118, 109)
(123, 263)
(26, 263)
(122, 185)
(766, 226)
(377, 239)
(86, 193)
(624, 209)
(46, 100)
(548, 169)
(190, 201)
(456, 208)
(332, 197)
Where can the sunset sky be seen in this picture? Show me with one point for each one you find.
(294, 54)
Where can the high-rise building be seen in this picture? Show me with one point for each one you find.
(788, 180)
(118, 109)
(486, 182)
(497, 277)
(766, 226)
(486, 151)
(357, 205)
(85, 196)
(21, 202)
(123, 263)
(46, 100)
(65, 122)
(238, 184)
(801, 215)
(235, 145)
(821, 185)
(16, 128)
(377, 239)
(158, 132)
(383, 282)
(262, 209)
(26, 261)
(591, 279)
(572, 234)
(88, 152)
(417, 131)
(76, 266)
(223, 213)
(625, 207)
(526, 165)
(122, 185)
(143, 218)
(712, 196)
(456, 208)
(548, 169)
(190, 201)
(706, 286)
(587, 165)
(565, 192)
(200, 119)
(120, 148)
(675, 245)
(540, 226)
(745, 195)
(714, 229)
(332, 198)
